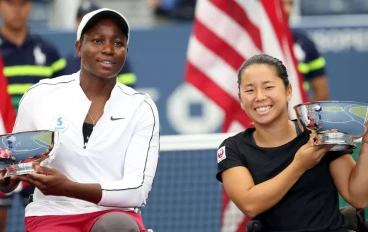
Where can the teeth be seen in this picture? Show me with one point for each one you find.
(263, 109)
(106, 62)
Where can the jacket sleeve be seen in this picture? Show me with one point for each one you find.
(140, 163)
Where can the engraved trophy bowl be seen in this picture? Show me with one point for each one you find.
(336, 122)
(19, 151)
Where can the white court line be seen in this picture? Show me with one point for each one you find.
(351, 116)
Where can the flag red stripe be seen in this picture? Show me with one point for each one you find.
(237, 114)
(271, 9)
(6, 108)
(282, 28)
(237, 13)
(217, 45)
(242, 227)
(216, 93)
(209, 87)
(290, 45)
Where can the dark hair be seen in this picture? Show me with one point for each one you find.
(267, 60)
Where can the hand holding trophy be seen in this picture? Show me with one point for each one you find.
(336, 122)
(19, 151)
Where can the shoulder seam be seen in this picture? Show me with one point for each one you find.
(61, 82)
(137, 93)
(39, 84)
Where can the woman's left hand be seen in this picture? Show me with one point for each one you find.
(48, 180)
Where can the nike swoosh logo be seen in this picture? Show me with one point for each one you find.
(114, 119)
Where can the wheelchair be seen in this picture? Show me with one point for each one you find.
(31, 199)
(355, 217)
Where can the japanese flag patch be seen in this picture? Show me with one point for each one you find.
(221, 154)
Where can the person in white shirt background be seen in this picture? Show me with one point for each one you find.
(106, 154)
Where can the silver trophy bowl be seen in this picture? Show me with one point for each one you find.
(336, 122)
(19, 151)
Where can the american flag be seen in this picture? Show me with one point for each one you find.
(7, 114)
(225, 34)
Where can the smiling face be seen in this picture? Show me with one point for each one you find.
(263, 94)
(103, 49)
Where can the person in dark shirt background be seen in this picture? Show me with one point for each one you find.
(28, 58)
(310, 62)
(178, 10)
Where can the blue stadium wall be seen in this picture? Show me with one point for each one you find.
(158, 58)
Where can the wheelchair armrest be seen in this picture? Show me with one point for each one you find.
(362, 222)
(350, 214)
(356, 218)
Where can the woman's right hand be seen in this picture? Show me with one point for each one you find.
(310, 154)
(8, 184)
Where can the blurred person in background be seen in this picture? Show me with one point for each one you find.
(311, 63)
(73, 61)
(27, 60)
(181, 10)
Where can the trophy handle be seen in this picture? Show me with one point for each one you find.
(18, 169)
(301, 124)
